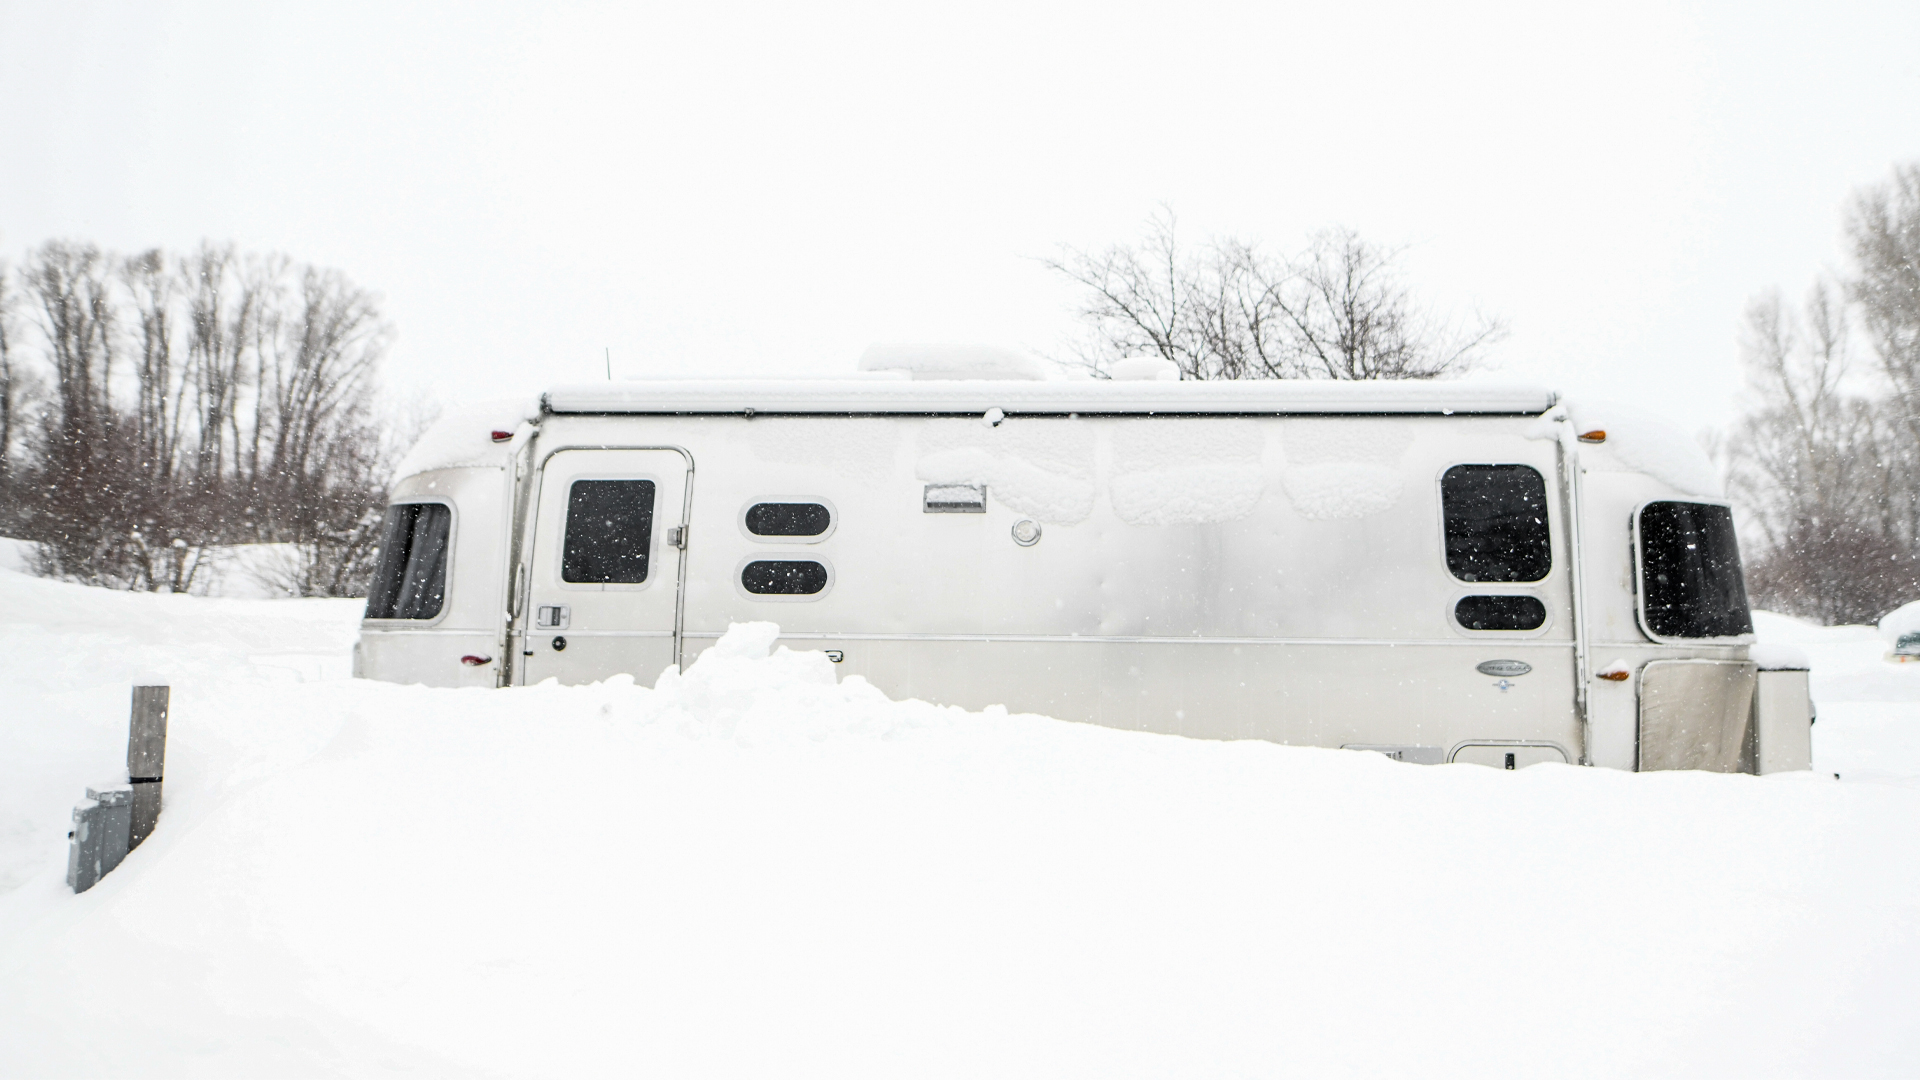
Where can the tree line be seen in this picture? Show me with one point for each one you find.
(154, 407)
(1825, 465)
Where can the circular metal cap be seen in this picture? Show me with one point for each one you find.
(1026, 532)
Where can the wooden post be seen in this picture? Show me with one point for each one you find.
(147, 758)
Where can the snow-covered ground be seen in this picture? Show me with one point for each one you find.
(1869, 707)
(753, 870)
(235, 571)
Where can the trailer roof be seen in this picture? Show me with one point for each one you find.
(968, 397)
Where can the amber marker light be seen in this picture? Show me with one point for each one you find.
(1596, 435)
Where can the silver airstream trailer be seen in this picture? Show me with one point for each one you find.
(1442, 572)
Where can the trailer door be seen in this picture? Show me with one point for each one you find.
(604, 580)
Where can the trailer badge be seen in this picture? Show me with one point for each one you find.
(1504, 668)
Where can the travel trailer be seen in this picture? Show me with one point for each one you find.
(1438, 571)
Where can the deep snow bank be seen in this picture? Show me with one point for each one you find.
(756, 870)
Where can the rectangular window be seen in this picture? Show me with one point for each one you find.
(411, 579)
(1690, 578)
(609, 532)
(1496, 523)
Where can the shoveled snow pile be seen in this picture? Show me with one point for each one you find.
(753, 869)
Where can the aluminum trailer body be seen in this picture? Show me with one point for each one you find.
(1438, 571)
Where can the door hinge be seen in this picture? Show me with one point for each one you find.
(677, 536)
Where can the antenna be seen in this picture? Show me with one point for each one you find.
(609, 363)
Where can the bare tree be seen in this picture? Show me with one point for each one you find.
(160, 378)
(1351, 316)
(1339, 309)
(318, 370)
(9, 387)
(1816, 470)
(1883, 228)
(87, 509)
(1823, 463)
(69, 283)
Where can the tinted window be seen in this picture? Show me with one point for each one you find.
(788, 519)
(1500, 612)
(609, 532)
(1690, 571)
(411, 580)
(1496, 518)
(783, 577)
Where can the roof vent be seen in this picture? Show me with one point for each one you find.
(1145, 369)
(924, 362)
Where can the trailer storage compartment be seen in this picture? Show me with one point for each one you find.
(1782, 721)
(1695, 714)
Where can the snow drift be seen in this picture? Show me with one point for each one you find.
(756, 869)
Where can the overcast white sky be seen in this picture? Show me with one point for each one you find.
(718, 189)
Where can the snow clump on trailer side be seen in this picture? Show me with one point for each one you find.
(1636, 441)
(1343, 468)
(861, 449)
(1186, 472)
(464, 437)
(1769, 656)
(1041, 468)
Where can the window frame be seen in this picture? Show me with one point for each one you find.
(446, 596)
(1460, 628)
(833, 519)
(1640, 575)
(1555, 556)
(559, 558)
(740, 568)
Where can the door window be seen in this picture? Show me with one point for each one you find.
(609, 532)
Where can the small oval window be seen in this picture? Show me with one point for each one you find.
(783, 577)
(1500, 612)
(788, 519)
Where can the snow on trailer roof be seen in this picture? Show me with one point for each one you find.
(971, 396)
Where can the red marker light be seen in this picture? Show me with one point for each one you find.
(502, 436)
(476, 661)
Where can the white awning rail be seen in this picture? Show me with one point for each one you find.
(966, 397)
